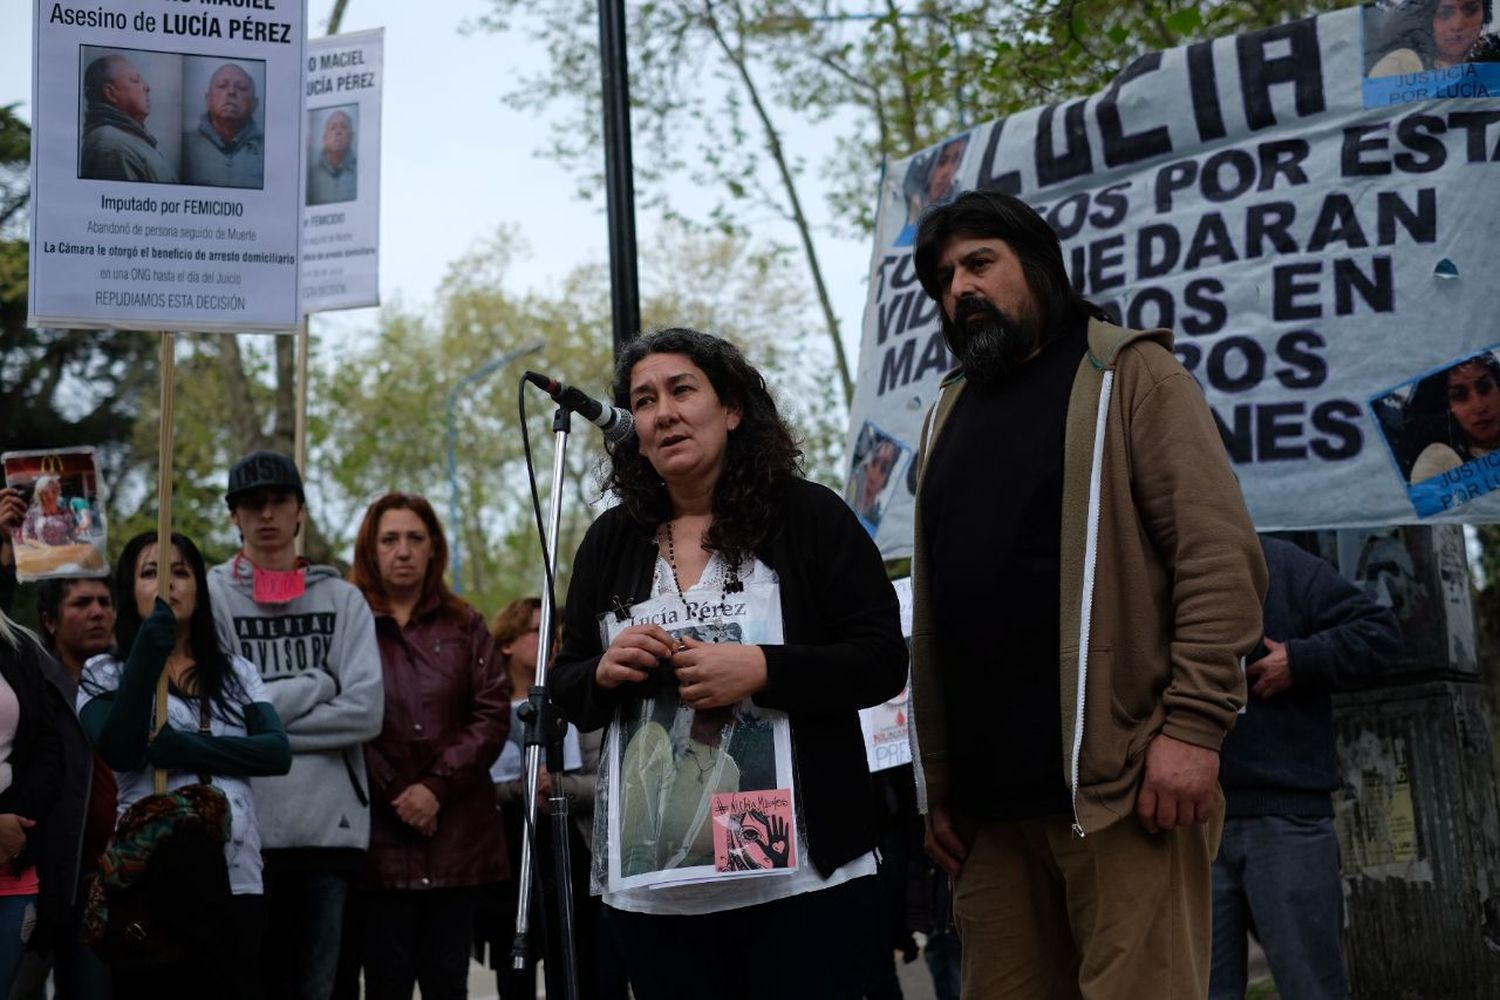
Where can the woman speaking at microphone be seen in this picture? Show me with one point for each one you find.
(712, 503)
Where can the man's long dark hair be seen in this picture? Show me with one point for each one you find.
(992, 215)
(211, 674)
(761, 454)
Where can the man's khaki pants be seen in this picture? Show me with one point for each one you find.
(1121, 914)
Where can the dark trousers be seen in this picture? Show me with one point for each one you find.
(1279, 877)
(305, 923)
(599, 974)
(77, 972)
(885, 983)
(818, 946)
(231, 973)
(418, 938)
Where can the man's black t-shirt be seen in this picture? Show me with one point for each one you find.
(992, 517)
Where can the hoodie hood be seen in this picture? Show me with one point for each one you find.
(239, 573)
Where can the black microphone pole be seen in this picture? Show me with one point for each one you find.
(619, 174)
(545, 726)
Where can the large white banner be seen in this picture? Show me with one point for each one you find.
(167, 165)
(341, 222)
(1326, 266)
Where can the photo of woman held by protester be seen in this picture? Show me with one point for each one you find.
(49, 521)
(712, 500)
(178, 902)
(435, 835)
(1452, 417)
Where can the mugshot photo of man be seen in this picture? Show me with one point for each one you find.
(116, 144)
(331, 175)
(227, 149)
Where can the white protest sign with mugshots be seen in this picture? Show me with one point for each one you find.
(167, 165)
(341, 221)
(1316, 229)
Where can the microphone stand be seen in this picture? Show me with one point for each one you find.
(546, 727)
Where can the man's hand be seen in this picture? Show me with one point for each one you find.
(715, 675)
(418, 808)
(1179, 786)
(13, 835)
(1271, 674)
(941, 841)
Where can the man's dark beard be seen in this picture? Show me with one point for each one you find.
(989, 344)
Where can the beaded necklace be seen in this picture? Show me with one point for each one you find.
(732, 583)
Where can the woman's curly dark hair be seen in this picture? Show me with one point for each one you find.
(762, 453)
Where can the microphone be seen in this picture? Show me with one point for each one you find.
(617, 424)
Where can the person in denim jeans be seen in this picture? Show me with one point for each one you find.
(1277, 873)
(313, 639)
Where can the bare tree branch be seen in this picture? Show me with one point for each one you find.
(736, 59)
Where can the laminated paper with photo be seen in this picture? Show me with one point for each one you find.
(887, 727)
(1442, 430)
(63, 532)
(666, 765)
(875, 475)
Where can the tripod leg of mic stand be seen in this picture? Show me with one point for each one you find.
(564, 868)
(546, 728)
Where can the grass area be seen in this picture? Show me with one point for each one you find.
(1263, 990)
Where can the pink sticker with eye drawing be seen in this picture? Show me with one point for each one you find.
(754, 831)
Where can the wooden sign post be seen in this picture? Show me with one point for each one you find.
(164, 523)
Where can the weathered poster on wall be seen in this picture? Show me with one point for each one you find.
(167, 165)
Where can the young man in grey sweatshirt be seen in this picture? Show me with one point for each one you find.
(313, 638)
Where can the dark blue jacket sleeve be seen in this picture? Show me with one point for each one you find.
(1350, 635)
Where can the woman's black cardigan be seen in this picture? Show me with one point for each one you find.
(843, 649)
(38, 767)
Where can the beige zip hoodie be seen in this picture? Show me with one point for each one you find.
(1162, 576)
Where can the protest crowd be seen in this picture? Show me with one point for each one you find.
(345, 797)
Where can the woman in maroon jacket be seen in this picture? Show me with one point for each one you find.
(435, 832)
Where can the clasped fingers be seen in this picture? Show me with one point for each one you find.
(632, 654)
